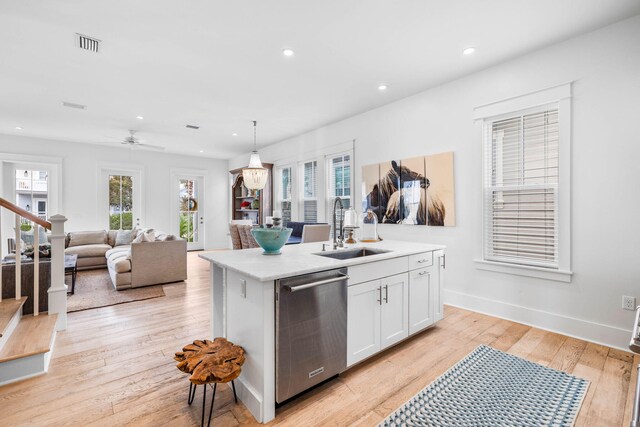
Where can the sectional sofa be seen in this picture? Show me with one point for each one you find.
(132, 262)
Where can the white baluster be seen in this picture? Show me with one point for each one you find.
(18, 272)
(58, 290)
(36, 268)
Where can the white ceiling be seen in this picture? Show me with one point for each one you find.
(219, 64)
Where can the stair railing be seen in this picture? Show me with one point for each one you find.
(58, 289)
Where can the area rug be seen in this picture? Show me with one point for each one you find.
(94, 289)
(492, 388)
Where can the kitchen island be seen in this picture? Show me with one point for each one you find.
(390, 290)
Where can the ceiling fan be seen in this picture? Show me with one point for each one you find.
(134, 142)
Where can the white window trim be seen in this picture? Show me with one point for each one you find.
(560, 95)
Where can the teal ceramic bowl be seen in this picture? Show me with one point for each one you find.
(271, 239)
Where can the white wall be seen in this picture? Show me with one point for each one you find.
(605, 68)
(81, 166)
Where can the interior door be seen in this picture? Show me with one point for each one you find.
(394, 316)
(190, 215)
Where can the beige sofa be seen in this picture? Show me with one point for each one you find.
(131, 265)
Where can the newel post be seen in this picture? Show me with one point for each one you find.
(58, 290)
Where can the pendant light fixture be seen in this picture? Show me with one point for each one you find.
(255, 176)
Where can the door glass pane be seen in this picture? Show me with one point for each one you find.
(189, 225)
(32, 191)
(120, 202)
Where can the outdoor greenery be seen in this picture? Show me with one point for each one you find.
(186, 227)
(25, 226)
(127, 221)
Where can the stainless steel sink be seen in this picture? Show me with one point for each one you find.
(352, 253)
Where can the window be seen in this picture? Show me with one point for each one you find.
(521, 191)
(526, 203)
(283, 194)
(339, 182)
(309, 199)
(120, 202)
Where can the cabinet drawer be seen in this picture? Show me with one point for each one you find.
(376, 270)
(421, 260)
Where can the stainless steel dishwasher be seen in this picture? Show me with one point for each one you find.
(311, 330)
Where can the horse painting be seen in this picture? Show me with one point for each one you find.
(400, 189)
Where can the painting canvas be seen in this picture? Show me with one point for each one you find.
(370, 179)
(388, 186)
(413, 185)
(440, 194)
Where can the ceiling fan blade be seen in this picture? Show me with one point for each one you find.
(149, 146)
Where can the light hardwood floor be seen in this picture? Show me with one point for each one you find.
(113, 366)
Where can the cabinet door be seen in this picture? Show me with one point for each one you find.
(420, 306)
(363, 321)
(394, 312)
(437, 283)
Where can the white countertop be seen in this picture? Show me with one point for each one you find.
(300, 259)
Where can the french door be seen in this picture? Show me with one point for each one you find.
(189, 216)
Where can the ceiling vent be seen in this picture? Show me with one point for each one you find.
(72, 105)
(88, 43)
(193, 127)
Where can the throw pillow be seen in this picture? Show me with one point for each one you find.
(170, 237)
(144, 237)
(124, 237)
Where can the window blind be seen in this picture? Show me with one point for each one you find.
(521, 189)
(310, 191)
(339, 183)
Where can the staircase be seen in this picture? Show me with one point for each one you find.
(26, 341)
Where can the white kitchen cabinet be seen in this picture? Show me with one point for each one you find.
(394, 310)
(377, 316)
(363, 321)
(421, 307)
(439, 266)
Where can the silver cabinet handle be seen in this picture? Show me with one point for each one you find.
(318, 283)
(379, 300)
(444, 261)
(420, 261)
(422, 273)
(386, 294)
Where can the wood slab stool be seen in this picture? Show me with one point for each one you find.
(217, 361)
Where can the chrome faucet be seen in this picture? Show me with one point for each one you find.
(337, 241)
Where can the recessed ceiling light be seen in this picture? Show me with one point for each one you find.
(287, 52)
(234, 134)
(469, 51)
(202, 151)
(139, 117)
(18, 128)
(382, 87)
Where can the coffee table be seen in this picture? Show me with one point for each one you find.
(71, 269)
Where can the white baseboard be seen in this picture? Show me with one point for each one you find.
(597, 333)
(251, 399)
